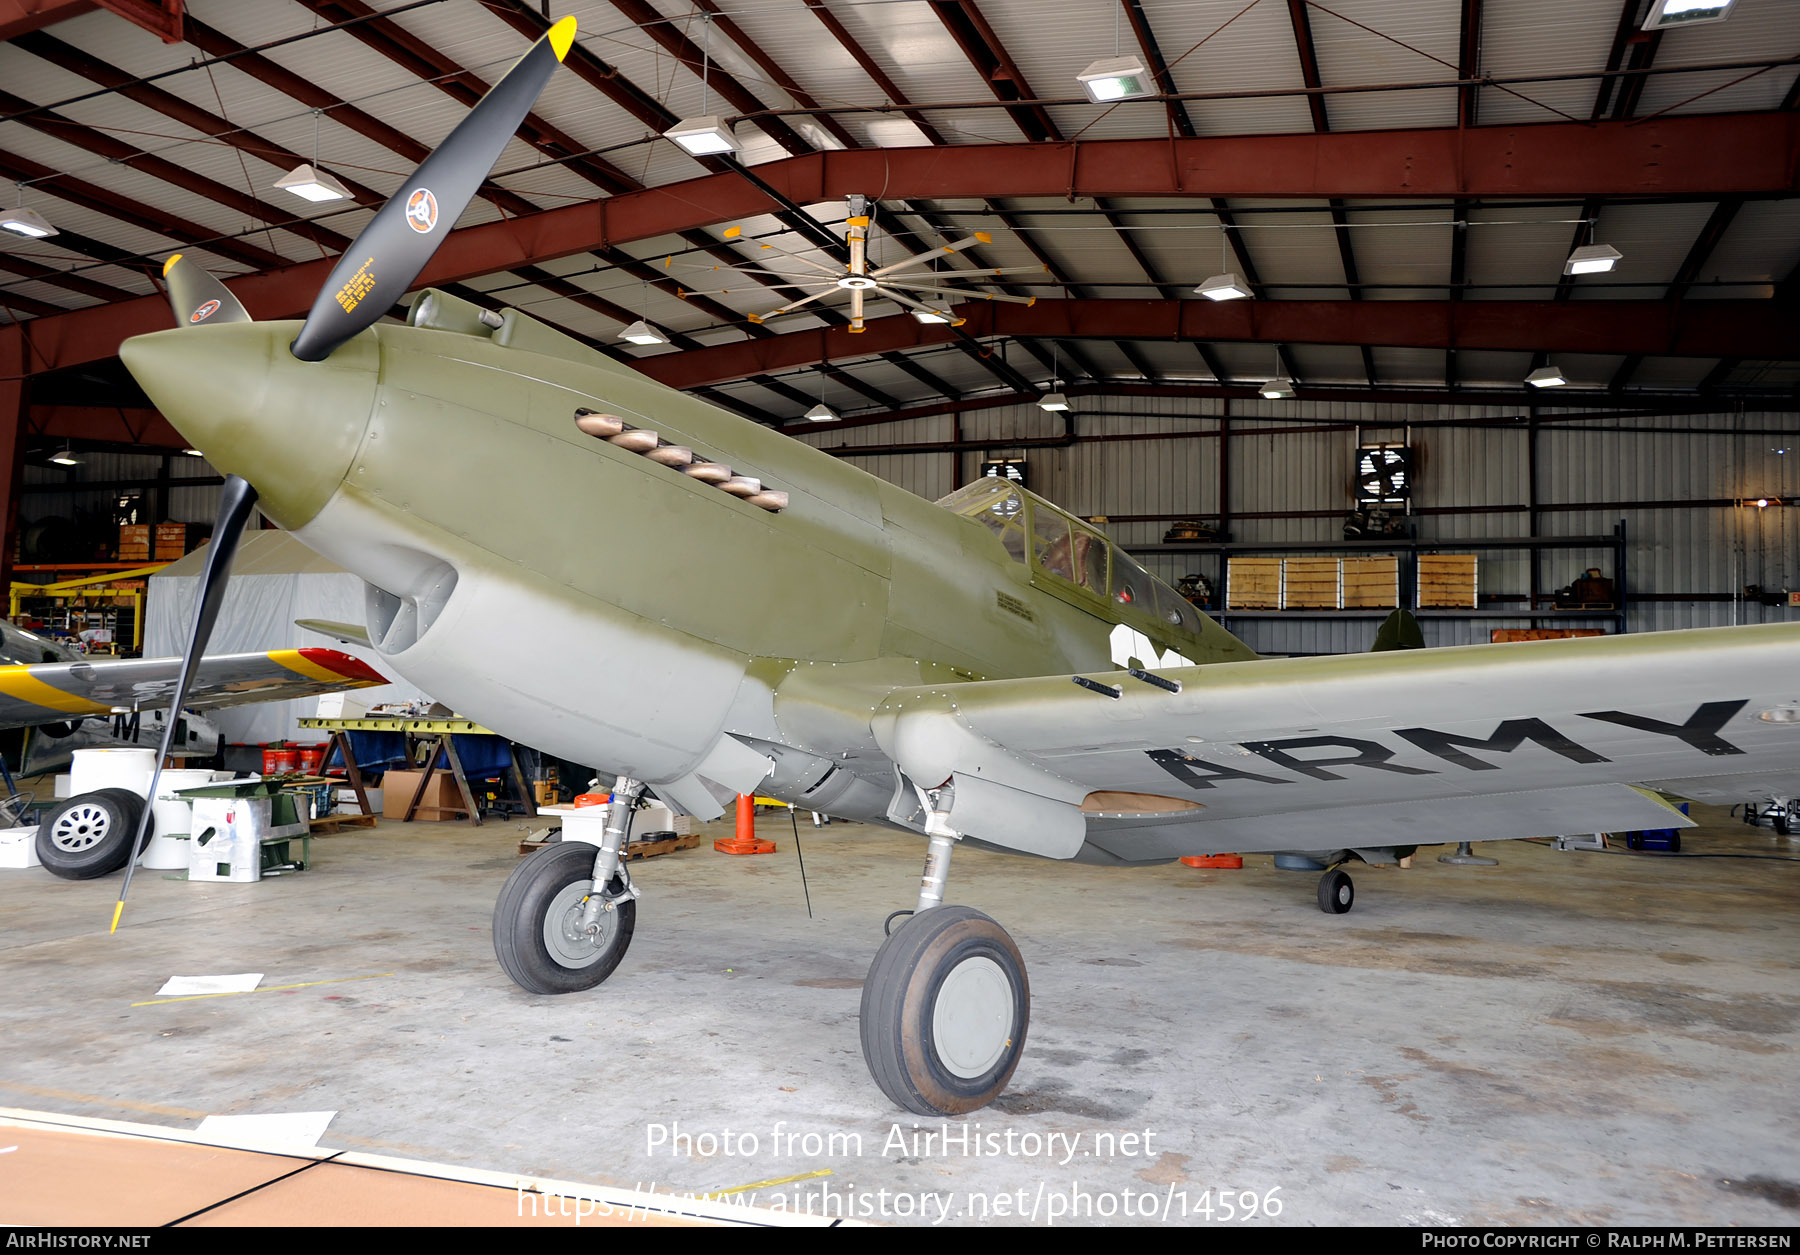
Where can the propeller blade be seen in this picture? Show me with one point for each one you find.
(198, 297)
(381, 264)
(235, 502)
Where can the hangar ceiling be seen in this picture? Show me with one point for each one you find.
(1398, 184)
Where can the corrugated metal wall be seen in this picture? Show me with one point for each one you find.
(1290, 471)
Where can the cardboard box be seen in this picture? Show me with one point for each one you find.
(397, 788)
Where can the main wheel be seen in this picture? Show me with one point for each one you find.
(1336, 893)
(944, 1012)
(537, 937)
(90, 835)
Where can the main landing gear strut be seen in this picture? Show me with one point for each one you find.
(946, 1003)
(944, 1009)
(565, 916)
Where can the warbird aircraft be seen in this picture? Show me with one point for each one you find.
(988, 668)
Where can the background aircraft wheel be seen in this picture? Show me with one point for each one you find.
(944, 1012)
(535, 933)
(90, 835)
(1336, 893)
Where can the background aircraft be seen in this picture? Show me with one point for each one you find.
(752, 614)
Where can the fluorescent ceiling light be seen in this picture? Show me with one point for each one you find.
(1592, 259)
(193, 453)
(641, 332)
(65, 457)
(1546, 377)
(1225, 287)
(821, 413)
(705, 136)
(1115, 78)
(1666, 13)
(935, 316)
(312, 184)
(26, 222)
(1278, 388)
(1054, 402)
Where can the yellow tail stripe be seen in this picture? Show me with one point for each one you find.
(18, 682)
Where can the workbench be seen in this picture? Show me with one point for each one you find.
(430, 738)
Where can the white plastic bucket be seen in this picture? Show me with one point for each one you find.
(174, 816)
(93, 770)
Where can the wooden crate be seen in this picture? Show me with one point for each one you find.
(1253, 584)
(1310, 584)
(1371, 583)
(1447, 581)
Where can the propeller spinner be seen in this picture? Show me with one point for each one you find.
(378, 268)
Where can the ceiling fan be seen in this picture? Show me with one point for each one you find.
(922, 293)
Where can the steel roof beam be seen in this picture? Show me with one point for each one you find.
(1321, 120)
(1705, 329)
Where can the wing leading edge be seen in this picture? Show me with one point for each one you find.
(1532, 739)
(51, 692)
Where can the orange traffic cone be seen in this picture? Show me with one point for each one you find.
(746, 841)
(1213, 860)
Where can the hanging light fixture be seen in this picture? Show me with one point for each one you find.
(309, 182)
(1053, 401)
(641, 332)
(26, 222)
(1227, 285)
(1280, 387)
(1592, 259)
(1666, 13)
(1118, 77)
(1546, 377)
(707, 134)
(821, 413)
(65, 457)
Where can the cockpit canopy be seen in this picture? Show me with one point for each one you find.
(1076, 562)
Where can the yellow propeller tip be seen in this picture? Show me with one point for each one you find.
(170, 264)
(118, 910)
(561, 36)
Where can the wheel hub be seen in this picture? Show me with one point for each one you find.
(971, 1021)
(568, 941)
(80, 829)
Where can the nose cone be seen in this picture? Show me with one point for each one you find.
(291, 428)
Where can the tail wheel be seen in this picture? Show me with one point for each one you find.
(89, 836)
(1336, 893)
(538, 936)
(944, 1012)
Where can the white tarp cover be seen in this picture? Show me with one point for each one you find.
(274, 581)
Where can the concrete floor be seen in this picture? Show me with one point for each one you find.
(1569, 1038)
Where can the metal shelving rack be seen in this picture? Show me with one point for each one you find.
(1411, 548)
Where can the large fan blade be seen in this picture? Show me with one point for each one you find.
(235, 501)
(197, 297)
(382, 263)
(980, 237)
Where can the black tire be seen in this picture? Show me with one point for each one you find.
(1781, 824)
(1337, 893)
(89, 836)
(903, 1024)
(554, 880)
